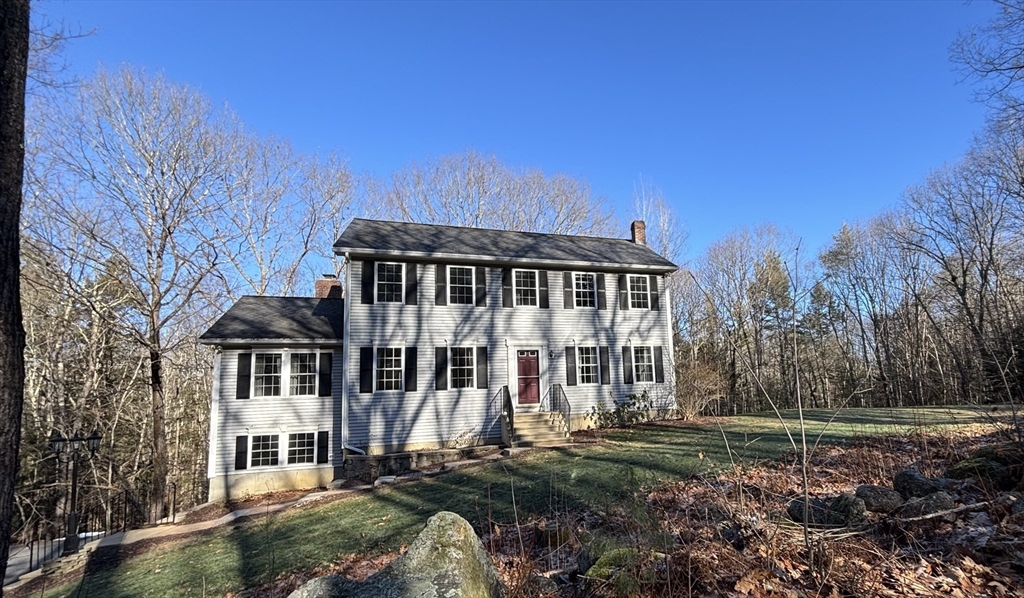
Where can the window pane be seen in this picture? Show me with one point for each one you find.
(267, 376)
(526, 287)
(389, 283)
(303, 374)
(300, 448)
(643, 364)
(460, 285)
(638, 297)
(264, 450)
(462, 367)
(587, 361)
(585, 296)
(389, 369)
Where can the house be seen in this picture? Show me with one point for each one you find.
(446, 337)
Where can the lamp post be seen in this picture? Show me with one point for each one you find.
(73, 450)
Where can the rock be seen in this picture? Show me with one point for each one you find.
(1005, 453)
(845, 509)
(610, 564)
(542, 585)
(933, 503)
(446, 560)
(584, 562)
(910, 483)
(879, 499)
(989, 473)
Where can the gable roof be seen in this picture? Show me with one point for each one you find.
(279, 318)
(368, 238)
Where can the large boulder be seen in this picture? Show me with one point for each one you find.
(879, 499)
(911, 483)
(446, 560)
(845, 509)
(936, 502)
(988, 472)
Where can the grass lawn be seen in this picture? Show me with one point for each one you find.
(585, 477)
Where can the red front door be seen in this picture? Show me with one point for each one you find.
(529, 377)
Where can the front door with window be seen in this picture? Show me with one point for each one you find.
(529, 377)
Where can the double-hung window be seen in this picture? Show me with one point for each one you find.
(301, 447)
(264, 450)
(589, 368)
(460, 285)
(267, 375)
(389, 368)
(526, 287)
(462, 370)
(639, 294)
(389, 283)
(302, 381)
(585, 290)
(643, 364)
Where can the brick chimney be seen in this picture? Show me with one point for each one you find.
(327, 287)
(639, 231)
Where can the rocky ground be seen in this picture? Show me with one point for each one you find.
(922, 515)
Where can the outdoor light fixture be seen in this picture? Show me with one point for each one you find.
(70, 450)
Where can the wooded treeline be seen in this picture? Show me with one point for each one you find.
(148, 210)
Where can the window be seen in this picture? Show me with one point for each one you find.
(389, 283)
(643, 364)
(389, 369)
(267, 375)
(460, 285)
(586, 359)
(462, 367)
(300, 448)
(264, 450)
(303, 374)
(586, 295)
(639, 298)
(526, 287)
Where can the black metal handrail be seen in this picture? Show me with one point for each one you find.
(560, 403)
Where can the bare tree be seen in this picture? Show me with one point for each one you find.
(14, 43)
(471, 189)
(994, 56)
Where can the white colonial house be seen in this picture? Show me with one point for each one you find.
(446, 337)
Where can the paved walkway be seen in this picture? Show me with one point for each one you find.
(17, 566)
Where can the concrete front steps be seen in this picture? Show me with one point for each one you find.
(540, 428)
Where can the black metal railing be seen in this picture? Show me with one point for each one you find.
(101, 513)
(560, 403)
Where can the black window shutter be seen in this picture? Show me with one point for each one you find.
(243, 376)
(623, 291)
(542, 289)
(659, 368)
(506, 287)
(365, 369)
(440, 368)
(570, 366)
(241, 452)
(481, 286)
(367, 281)
(627, 364)
(481, 367)
(567, 296)
(655, 297)
(322, 446)
(411, 284)
(440, 285)
(602, 300)
(326, 371)
(410, 368)
(606, 373)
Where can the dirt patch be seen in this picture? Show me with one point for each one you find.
(218, 510)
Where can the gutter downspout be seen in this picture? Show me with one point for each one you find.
(346, 352)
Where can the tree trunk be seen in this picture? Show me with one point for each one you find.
(13, 72)
(160, 466)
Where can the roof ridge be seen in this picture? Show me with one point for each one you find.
(497, 230)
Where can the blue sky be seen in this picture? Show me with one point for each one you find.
(804, 114)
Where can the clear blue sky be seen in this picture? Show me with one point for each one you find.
(805, 114)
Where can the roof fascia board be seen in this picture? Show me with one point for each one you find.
(512, 261)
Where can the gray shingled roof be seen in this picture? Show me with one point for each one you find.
(370, 237)
(285, 318)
